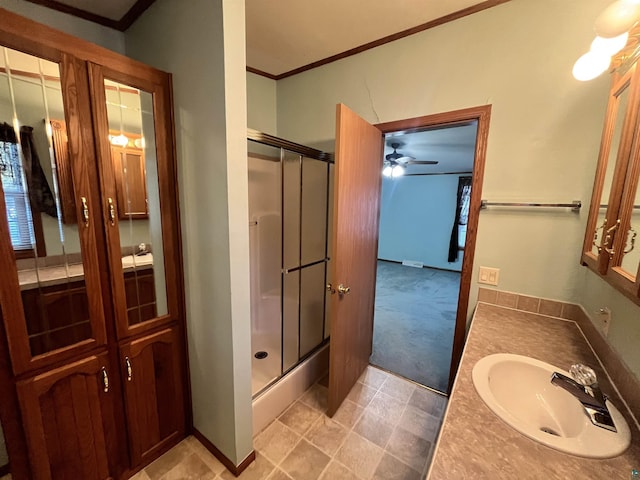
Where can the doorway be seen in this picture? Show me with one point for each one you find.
(356, 202)
(424, 210)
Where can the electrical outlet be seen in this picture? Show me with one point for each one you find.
(605, 318)
(489, 276)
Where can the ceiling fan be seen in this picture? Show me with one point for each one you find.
(395, 163)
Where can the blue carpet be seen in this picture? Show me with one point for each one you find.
(415, 316)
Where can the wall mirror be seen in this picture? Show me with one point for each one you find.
(42, 225)
(134, 162)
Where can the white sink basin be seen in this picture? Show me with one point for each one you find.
(518, 390)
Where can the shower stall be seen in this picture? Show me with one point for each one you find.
(289, 209)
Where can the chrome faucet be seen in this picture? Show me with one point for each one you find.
(584, 387)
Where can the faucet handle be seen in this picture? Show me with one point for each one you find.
(583, 374)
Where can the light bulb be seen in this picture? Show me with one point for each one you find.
(386, 171)
(616, 19)
(397, 171)
(590, 65)
(609, 46)
(119, 140)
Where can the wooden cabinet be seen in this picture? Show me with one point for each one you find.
(91, 335)
(69, 420)
(128, 164)
(153, 389)
(610, 247)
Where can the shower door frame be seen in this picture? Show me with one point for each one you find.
(314, 154)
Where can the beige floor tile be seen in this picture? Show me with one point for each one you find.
(205, 455)
(429, 401)
(374, 428)
(279, 475)
(168, 461)
(316, 397)
(361, 394)
(348, 414)
(420, 423)
(398, 388)
(390, 468)
(276, 441)
(409, 448)
(337, 471)
(359, 455)
(299, 417)
(141, 475)
(305, 462)
(191, 468)
(258, 470)
(374, 377)
(387, 407)
(326, 434)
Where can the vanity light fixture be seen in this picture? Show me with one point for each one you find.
(590, 65)
(119, 140)
(612, 27)
(617, 18)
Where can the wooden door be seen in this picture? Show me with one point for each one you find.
(356, 214)
(69, 421)
(153, 393)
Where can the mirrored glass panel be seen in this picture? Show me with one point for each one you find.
(314, 210)
(290, 319)
(631, 247)
(133, 154)
(291, 181)
(37, 183)
(311, 307)
(600, 227)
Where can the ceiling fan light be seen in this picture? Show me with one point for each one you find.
(617, 18)
(387, 170)
(397, 171)
(590, 65)
(609, 46)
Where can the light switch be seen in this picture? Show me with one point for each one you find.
(489, 276)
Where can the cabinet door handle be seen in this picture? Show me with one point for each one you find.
(595, 236)
(85, 211)
(127, 363)
(105, 380)
(608, 239)
(633, 234)
(112, 211)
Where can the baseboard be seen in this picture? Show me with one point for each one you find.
(232, 467)
(5, 470)
(399, 262)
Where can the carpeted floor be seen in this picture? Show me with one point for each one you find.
(415, 316)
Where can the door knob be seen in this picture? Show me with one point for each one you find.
(342, 290)
(330, 289)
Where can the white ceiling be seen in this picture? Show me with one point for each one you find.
(452, 147)
(283, 35)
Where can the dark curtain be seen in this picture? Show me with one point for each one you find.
(40, 193)
(462, 214)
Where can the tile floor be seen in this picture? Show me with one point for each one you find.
(384, 430)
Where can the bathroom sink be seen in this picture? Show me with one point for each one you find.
(518, 389)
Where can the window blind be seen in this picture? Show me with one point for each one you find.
(16, 200)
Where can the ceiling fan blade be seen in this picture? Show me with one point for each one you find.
(422, 162)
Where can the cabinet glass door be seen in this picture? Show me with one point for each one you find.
(604, 208)
(135, 158)
(48, 232)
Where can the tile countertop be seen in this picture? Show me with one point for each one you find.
(475, 444)
(55, 275)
